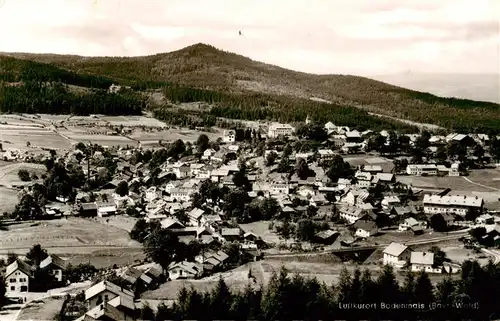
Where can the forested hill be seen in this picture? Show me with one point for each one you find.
(205, 67)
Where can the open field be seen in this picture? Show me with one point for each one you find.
(459, 255)
(133, 121)
(9, 173)
(44, 309)
(8, 199)
(123, 222)
(106, 258)
(63, 233)
(172, 134)
(16, 137)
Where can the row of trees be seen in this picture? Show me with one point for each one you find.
(355, 296)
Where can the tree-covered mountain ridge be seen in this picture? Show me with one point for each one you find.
(205, 67)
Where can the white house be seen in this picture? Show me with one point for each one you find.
(229, 136)
(106, 209)
(330, 127)
(181, 170)
(103, 292)
(17, 277)
(208, 153)
(452, 204)
(326, 154)
(390, 201)
(422, 169)
(152, 194)
(408, 224)
(195, 216)
(423, 261)
(279, 188)
(180, 194)
(185, 270)
(365, 229)
(277, 129)
(55, 265)
(351, 213)
(396, 254)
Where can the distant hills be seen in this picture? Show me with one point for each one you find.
(276, 89)
(482, 87)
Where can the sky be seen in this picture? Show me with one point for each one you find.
(363, 37)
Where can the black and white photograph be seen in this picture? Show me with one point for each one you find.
(249, 160)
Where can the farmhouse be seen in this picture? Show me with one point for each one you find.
(55, 265)
(276, 130)
(17, 277)
(423, 261)
(185, 270)
(396, 254)
(229, 136)
(106, 209)
(365, 229)
(456, 204)
(103, 292)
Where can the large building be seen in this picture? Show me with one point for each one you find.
(452, 204)
(396, 254)
(276, 130)
(422, 169)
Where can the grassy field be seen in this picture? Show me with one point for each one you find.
(106, 258)
(64, 233)
(133, 121)
(44, 309)
(173, 134)
(9, 173)
(8, 200)
(123, 222)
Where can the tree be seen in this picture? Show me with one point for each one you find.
(140, 230)
(438, 223)
(3, 291)
(313, 131)
(146, 313)
(162, 248)
(344, 285)
(354, 292)
(122, 189)
(271, 159)
(301, 169)
(24, 175)
(445, 291)
(202, 143)
(284, 165)
(337, 168)
(36, 255)
(387, 285)
(220, 301)
(424, 289)
(408, 288)
(439, 255)
(27, 208)
(11, 257)
(305, 230)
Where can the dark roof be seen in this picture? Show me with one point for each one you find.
(365, 225)
(54, 260)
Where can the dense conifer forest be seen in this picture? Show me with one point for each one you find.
(356, 296)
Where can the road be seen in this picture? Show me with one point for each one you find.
(494, 253)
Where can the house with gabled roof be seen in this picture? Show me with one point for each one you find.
(56, 267)
(365, 229)
(105, 291)
(396, 254)
(195, 216)
(423, 261)
(18, 277)
(185, 270)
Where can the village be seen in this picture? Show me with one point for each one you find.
(241, 197)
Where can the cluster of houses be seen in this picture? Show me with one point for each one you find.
(402, 256)
(19, 275)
